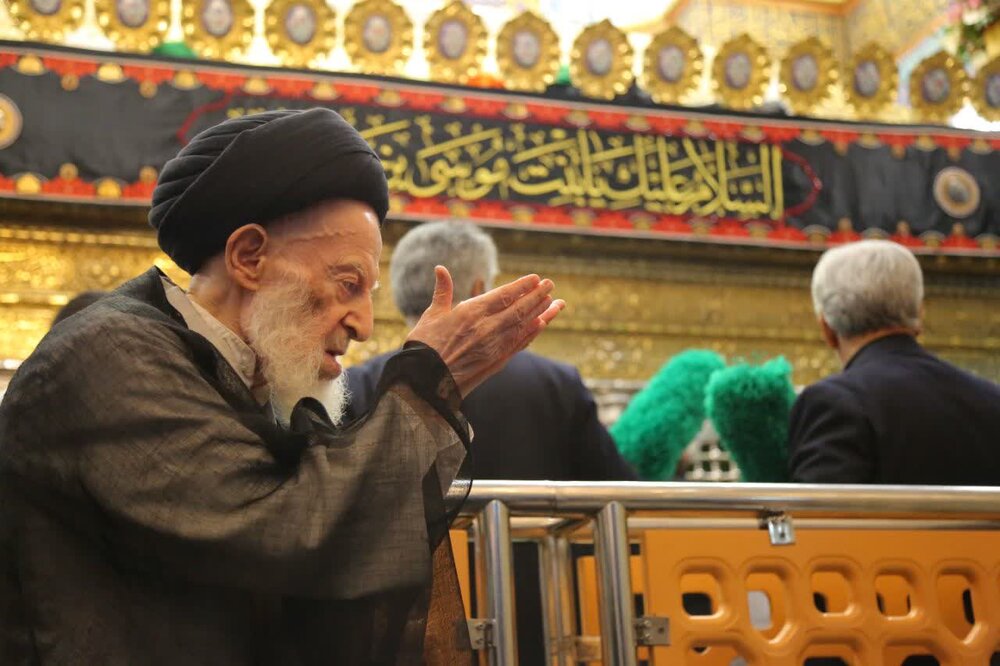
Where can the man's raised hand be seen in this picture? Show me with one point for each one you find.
(477, 337)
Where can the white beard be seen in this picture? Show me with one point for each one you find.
(280, 328)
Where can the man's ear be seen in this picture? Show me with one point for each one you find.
(478, 288)
(829, 335)
(245, 255)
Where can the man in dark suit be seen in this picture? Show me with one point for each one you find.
(533, 420)
(897, 414)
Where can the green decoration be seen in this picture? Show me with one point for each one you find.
(663, 418)
(749, 407)
(174, 50)
(562, 76)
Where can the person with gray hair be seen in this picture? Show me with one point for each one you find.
(466, 250)
(534, 419)
(897, 414)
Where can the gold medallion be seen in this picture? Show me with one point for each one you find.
(134, 25)
(741, 71)
(11, 121)
(807, 74)
(299, 31)
(872, 80)
(985, 92)
(528, 53)
(378, 36)
(600, 64)
(937, 87)
(218, 28)
(47, 20)
(672, 66)
(455, 42)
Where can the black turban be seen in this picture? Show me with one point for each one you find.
(255, 169)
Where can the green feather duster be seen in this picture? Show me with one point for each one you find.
(663, 418)
(749, 407)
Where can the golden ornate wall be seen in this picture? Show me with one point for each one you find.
(632, 303)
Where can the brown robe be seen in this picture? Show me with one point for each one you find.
(152, 513)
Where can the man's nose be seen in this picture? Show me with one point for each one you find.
(360, 321)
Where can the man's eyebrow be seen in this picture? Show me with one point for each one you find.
(335, 270)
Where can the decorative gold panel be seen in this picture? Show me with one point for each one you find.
(631, 303)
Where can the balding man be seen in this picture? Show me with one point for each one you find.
(174, 487)
(897, 413)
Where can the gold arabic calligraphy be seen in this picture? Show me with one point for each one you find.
(430, 156)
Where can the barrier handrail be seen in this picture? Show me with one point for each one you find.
(610, 508)
(569, 497)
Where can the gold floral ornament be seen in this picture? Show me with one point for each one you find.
(11, 122)
(937, 87)
(218, 28)
(985, 93)
(378, 36)
(872, 80)
(299, 31)
(48, 20)
(528, 53)
(808, 73)
(600, 64)
(134, 25)
(672, 65)
(455, 42)
(741, 71)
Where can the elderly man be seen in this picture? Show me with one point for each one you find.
(896, 414)
(533, 420)
(173, 485)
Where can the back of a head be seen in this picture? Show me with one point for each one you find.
(77, 303)
(464, 249)
(868, 286)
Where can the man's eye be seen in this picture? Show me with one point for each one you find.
(351, 288)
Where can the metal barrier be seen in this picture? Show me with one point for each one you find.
(611, 514)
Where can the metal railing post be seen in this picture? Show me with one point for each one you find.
(614, 583)
(495, 560)
(557, 600)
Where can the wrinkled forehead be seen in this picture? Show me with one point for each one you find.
(335, 231)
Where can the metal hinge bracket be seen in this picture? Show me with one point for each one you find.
(481, 633)
(780, 529)
(652, 630)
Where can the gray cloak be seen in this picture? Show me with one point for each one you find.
(152, 513)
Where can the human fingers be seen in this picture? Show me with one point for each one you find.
(501, 298)
(443, 289)
(552, 311)
(525, 308)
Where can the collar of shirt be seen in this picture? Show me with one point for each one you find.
(237, 353)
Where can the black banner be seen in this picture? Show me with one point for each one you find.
(510, 157)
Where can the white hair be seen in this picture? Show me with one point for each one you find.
(868, 286)
(281, 328)
(464, 249)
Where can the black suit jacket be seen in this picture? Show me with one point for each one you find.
(533, 420)
(897, 415)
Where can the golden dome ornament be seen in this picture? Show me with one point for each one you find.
(528, 53)
(985, 91)
(872, 80)
(808, 72)
(672, 65)
(134, 25)
(937, 87)
(741, 72)
(378, 36)
(299, 31)
(47, 20)
(600, 64)
(455, 42)
(218, 28)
